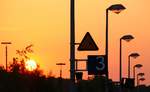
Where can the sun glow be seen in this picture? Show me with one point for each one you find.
(31, 65)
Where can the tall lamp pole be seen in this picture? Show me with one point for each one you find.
(6, 43)
(72, 40)
(116, 8)
(134, 55)
(126, 38)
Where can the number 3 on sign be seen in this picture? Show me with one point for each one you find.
(100, 61)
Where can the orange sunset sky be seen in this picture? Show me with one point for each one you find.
(46, 25)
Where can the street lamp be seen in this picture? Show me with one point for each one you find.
(133, 55)
(141, 75)
(6, 43)
(116, 8)
(126, 38)
(136, 66)
(60, 64)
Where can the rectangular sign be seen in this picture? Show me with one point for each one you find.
(97, 65)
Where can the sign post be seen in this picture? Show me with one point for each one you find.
(72, 40)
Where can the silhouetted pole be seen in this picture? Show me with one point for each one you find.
(6, 43)
(72, 41)
(120, 60)
(6, 57)
(134, 72)
(137, 80)
(129, 66)
(106, 48)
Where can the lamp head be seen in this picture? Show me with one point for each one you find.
(127, 38)
(134, 55)
(116, 8)
(138, 65)
(140, 74)
(60, 64)
(142, 79)
(5, 42)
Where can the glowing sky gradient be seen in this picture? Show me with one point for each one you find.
(46, 24)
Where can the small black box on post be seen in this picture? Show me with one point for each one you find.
(79, 75)
(129, 83)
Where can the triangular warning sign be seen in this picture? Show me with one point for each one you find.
(87, 44)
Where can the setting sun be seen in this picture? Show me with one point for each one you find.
(30, 65)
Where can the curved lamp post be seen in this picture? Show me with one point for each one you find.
(141, 75)
(116, 8)
(126, 38)
(133, 55)
(136, 66)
